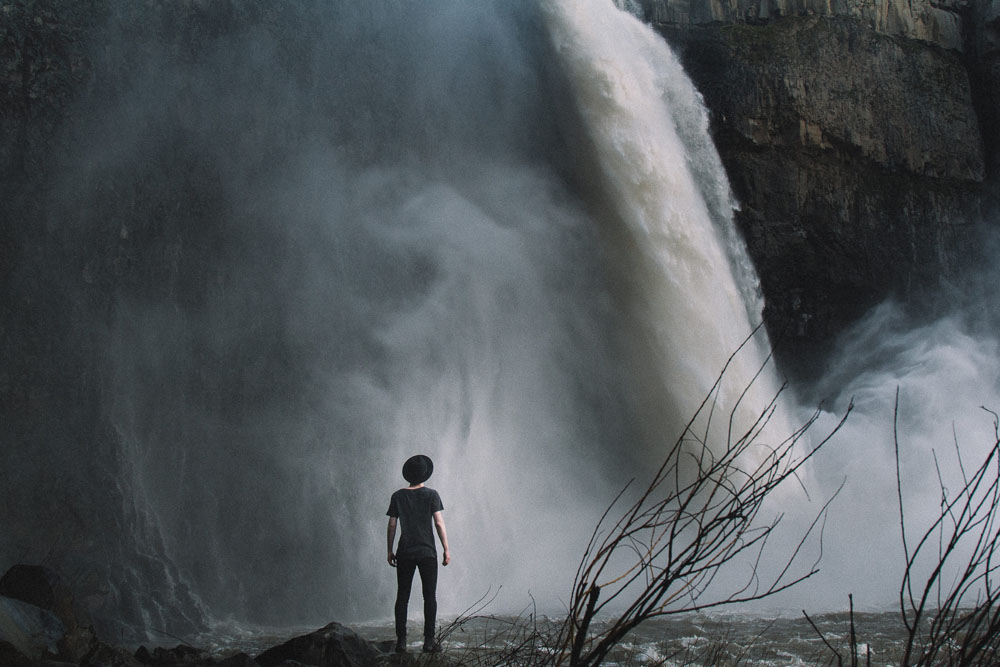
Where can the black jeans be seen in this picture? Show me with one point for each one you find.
(428, 581)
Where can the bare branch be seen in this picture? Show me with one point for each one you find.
(699, 514)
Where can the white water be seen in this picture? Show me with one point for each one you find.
(491, 409)
(433, 277)
(944, 370)
(679, 266)
(669, 194)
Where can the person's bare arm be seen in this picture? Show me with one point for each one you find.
(390, 537)
(443, 536)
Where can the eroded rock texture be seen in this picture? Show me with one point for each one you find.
(860, 140)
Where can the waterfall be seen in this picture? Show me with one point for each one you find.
(339, 234)
(666, 214)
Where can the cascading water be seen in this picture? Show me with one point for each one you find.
(665, 210)
(414, 268)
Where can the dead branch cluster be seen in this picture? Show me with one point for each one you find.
(953, 616)
(949, 602)
(701, 511)
(657, 552)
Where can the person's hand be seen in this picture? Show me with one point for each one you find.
(447, 558)
(392, 559)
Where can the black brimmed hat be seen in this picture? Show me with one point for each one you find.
(418, 469)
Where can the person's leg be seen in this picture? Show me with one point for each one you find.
(428, 583)
(404, 582)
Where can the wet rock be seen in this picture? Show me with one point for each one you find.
(44, 588)
(332, 646)
(179, 656)
(77, 643)
(10, 656)
(28, 631)
(105, 655)
(386, 645)
(420, 659)
(835, 87)
(238, 660)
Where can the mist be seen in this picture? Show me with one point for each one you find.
(391, 263)
(941, 360)
(306, 242)
(328, 238)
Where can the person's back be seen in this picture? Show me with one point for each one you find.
(415, 509)
(418, 509)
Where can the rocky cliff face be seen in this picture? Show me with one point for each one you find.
(939, 22)
(860, 139)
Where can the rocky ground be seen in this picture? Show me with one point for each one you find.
(42, 626)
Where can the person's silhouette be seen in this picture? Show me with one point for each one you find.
(417, 508)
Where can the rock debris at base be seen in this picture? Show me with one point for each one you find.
(42, 626)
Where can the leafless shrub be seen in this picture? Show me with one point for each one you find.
(950, 616)
(698, 514)
(956, 622)
(852, 639)
(522, 640)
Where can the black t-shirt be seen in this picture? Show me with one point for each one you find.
(415, 509)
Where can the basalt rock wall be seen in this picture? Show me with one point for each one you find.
(861, 141)
(938, 21)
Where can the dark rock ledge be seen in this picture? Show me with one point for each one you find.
(41, 626)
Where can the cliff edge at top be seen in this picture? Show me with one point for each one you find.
(939, 22)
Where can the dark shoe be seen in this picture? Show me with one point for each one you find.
(432, 646)
(401, 645)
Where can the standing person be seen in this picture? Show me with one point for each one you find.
(417, 507)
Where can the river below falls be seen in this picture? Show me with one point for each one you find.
(715, 639)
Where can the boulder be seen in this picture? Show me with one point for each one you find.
(28, 631)
(332, 646)
(43, 588)
(105, 655)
